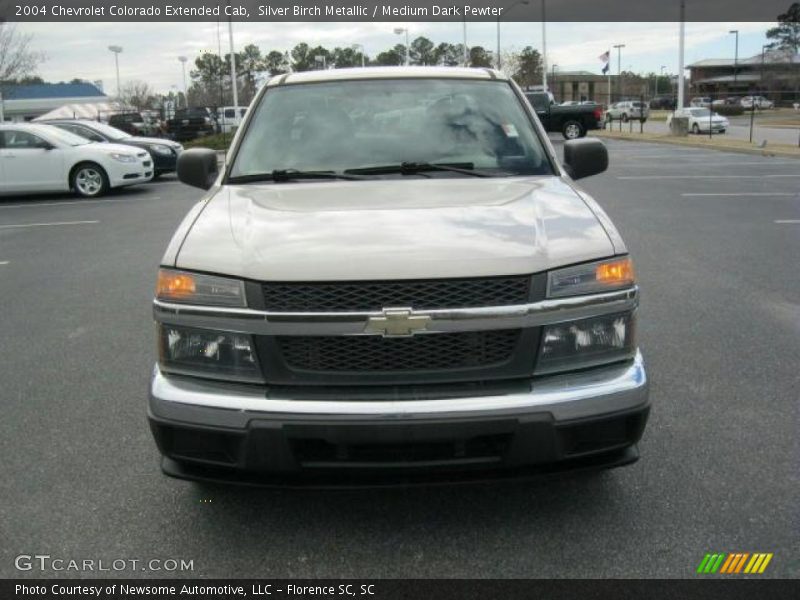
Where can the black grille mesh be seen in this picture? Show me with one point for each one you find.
(376, 295)
(461, 350)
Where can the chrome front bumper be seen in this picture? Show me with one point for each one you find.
(568, 396)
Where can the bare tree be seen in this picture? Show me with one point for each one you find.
(17, 59)
(137, 94)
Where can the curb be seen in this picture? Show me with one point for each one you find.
(737, 149)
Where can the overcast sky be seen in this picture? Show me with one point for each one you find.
(151, 50)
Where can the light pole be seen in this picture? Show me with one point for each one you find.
(185, 91)
(116, 50)
(619, 48)
(735, 55)
(681, 44)
(499, 57)
(360, 48)
(553, 80)
(401, 31)
(466, 50)
(234, 85)
(544, 49)
(662, 74)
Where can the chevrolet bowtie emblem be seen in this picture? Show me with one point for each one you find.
(397, 322)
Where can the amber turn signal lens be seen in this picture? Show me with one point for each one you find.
(174, 285)
(619, 271)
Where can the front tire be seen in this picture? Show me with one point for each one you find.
(572, 130)
(696, 129)
(624, 117)
(89, 180)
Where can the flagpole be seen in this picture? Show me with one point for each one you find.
(608, 73)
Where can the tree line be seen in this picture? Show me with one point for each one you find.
(211, 81)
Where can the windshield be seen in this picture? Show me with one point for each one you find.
(65, 137)
(347, 125)
(109, 131)
(701, 112)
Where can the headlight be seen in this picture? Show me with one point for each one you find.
(160, 149)
(587, 343)
(195, 288)
(126, 158)
(207, 353)
(603, 276)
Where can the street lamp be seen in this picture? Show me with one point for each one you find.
(662, 75)
(544, 49)
(116, 50)
(619, 48)
(401, 31)
(553, 78)
(360, 47)
(499, 57)
(736, 55)
(183, 60)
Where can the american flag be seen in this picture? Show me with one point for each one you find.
(605, 58)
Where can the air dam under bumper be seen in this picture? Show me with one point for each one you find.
(221, 432)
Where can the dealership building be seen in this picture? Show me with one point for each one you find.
(26, 102)
(773, 73)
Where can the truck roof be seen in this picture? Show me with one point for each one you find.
(385, 73)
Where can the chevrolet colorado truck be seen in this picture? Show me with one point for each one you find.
(394, 276)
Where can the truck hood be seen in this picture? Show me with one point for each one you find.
(393, 229)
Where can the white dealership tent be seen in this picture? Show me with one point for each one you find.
(99, 111)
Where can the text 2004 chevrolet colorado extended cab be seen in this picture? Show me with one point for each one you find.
(393, 274)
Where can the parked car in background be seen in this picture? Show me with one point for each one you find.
(42, 158)
(132, 123)
(628, 110)
(189, 123)
(729, 101)
(700, 102)
(230, 117)
(663, 103)
(570, 103)
(572, 121)
(701, 120)
(164, 152)
(759, 102)
(438, 296)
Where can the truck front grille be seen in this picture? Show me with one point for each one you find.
(440, 351)
(376, 295)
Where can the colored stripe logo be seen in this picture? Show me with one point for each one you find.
(734, 563)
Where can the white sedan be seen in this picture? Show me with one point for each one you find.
(701, 120)
(43, 158)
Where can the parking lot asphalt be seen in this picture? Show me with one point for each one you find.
(716, 241)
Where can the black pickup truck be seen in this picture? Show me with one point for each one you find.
(189, 123)
(572, 121)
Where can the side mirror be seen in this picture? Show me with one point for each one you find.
(585, 157)
(45, 146)
(198, 167)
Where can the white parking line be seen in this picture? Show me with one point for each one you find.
(707, 176)
(71, 202)
(765, 163)
(4, 262)
(24, 225)
(788, 221)
(745, 194)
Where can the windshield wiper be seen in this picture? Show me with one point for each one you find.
(416, 168)
(284, 175)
